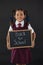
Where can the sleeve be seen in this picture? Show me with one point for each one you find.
(10, 29)
(30, 28)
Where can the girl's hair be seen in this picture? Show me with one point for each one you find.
(12, 19)
(20, 9)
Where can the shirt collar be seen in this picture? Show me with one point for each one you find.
(17, 22)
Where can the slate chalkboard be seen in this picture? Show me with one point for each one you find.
(20, 38)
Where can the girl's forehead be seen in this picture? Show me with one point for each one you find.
(19, 11)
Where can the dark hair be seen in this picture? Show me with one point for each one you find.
(13, 14)
(14, 11)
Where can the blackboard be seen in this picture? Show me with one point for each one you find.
(20, 38)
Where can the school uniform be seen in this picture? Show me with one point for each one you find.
(21, 55)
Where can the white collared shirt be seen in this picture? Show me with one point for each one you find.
(22, 24)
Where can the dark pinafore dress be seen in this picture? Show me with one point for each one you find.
(21, 55)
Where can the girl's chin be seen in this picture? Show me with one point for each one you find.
(19, 20)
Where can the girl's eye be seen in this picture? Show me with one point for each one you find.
(17, 14)
(21, 14)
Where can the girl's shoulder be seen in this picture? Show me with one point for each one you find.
(27, 23)
(10, 28)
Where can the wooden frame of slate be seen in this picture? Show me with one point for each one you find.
(20, 39)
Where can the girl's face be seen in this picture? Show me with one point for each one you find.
(19, 15)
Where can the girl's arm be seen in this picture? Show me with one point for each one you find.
(33, 39)
(33, 35)
(8, 37)
(8, 40)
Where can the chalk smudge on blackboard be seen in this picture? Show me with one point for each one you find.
(19, 34)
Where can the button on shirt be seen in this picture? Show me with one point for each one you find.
(22, 24)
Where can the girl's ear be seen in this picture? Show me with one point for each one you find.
(14, 16)
(24, 16)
